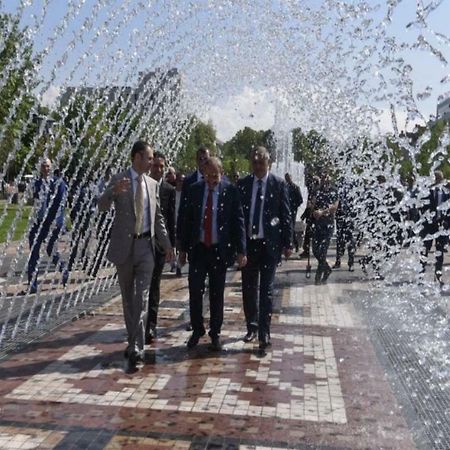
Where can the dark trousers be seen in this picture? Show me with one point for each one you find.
(307, 237)
(155, 292)
(38, 234)
(321, 243)
(294, 237)
(441, 243)
(80, 243)
(345, 238)
(205, 261)
(257, 278)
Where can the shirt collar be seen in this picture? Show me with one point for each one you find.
(134, 174)
(264, 178)
(215, 190)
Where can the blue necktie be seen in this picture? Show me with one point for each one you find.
(257, 210)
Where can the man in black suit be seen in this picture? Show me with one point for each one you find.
(213, 235)
(202, 156)
(436, 223)
(295, 201)
(167, 204)
(268, 224)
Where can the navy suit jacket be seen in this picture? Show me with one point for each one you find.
(277, 223)
(230, 222)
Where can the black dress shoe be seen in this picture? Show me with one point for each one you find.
(264, 343)
(337, 264)
(216, 345)
(250, 336)
(151, 336)
(193, 340)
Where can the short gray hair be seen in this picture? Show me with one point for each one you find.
(214, 161)
(260, 152)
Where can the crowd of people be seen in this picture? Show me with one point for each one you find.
(162, 216)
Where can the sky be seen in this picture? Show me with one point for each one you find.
(233, 79)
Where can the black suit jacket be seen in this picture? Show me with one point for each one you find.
(167, 204)
(230, 222)
(187, 183)
(277, 223)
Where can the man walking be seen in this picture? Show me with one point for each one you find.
(138, 222)
(436, 223)
(324, 210)
(295, 201)
(268, 225)
(167, 204)
(213, 234)
(50, 196)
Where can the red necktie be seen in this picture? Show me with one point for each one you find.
(207, 224)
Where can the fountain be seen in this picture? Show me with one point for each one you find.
(81, 81)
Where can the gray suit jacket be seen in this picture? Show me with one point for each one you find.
(125, 218)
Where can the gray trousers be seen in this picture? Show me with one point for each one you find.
(135, 276)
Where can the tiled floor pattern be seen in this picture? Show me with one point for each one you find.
(319, 384)
(28, 438)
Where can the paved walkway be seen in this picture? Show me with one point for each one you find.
(322, 385)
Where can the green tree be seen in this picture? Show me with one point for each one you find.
(236, 151)
(16, 102)
(312, 149)
(201, 134)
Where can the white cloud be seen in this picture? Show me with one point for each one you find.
(250, 108)
(50, 96)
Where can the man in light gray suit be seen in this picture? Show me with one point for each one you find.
(138, 222)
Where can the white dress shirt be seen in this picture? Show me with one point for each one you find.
(252, 207)
(134, 180)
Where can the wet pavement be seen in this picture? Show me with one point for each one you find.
(324, 384)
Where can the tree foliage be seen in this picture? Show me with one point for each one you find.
(201, 134)
(17, 105)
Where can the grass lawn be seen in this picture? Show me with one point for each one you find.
(21, 226)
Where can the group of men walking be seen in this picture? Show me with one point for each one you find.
(215, 224)
(218, 224)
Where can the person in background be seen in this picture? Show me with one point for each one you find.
(436, 223)
(50, 197)
(178, 192)
(167, 204)
(295, 201)
(313, 186)
(171, 176)
(201, 156)
(324, 209)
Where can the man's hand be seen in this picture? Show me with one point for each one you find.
(241, 260)
(170, 255)
(287, 252)
(123, 185)
(182, 258)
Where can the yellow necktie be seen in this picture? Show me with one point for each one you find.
(139, 205)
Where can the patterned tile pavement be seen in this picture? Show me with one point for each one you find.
(319, 386)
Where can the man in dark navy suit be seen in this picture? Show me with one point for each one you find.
(268, 224)
(213, 235)
(202, 156)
